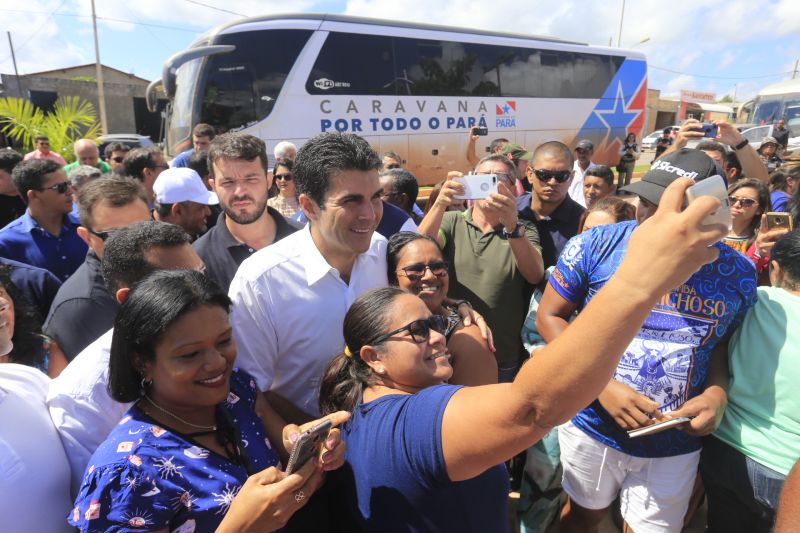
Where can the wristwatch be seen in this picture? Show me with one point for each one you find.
(742, 144)
(516, 233)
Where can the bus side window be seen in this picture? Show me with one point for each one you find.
(351, 63)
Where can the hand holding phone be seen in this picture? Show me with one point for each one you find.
(307, 445)
(708, 130)
(712, 186)
(658, 427)
(779, 220)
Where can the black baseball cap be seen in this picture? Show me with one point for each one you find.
(686, 162)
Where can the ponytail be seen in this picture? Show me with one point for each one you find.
(348, 375)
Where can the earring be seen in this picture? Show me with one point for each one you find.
(145, 384)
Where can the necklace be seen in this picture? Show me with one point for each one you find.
(176, 417)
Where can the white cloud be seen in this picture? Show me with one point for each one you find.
(727, 58)
(682, 81)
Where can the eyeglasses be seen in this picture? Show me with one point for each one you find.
(284, 177)
(163, 167)
(420, 330)
(745, 202)
(392, 166)
(546, 175)
(416, 271)
(118, 159)
(103, 235)
(60, 188)
(582, 150)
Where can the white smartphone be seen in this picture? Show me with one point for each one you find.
(658, 427)
(477, 186)
(712, 186)
(307, 445)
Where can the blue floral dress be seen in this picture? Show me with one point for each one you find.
(145, 477)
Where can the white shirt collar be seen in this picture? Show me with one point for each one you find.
(316, 266)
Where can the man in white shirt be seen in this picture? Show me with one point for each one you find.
(78, 399)
(583, 153)
(289, 299)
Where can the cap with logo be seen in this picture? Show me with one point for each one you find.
(182, 184)
(516, 152)
(686, 162)
(585, 144)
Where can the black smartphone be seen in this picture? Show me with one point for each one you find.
(307, 445)
(709, 130)
(483, 132)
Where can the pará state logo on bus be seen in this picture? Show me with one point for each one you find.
(325, 84)
(506, 114)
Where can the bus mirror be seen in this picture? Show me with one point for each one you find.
(171, 65)
(150, 96)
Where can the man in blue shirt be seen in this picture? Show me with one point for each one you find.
(45, 236)
(202, 135)
(676, 366)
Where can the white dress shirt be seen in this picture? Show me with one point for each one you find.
(288, 309)
(81, 408)
(34, 473)
(576, 187)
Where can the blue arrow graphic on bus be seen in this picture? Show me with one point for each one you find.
(613, 114)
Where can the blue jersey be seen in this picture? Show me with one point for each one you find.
(668, 359)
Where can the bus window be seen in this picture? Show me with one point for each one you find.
(351, 63)
(767, 112)
(241, 88)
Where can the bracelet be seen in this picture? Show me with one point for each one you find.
(741, 145)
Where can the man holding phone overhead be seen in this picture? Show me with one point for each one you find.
(675, 367)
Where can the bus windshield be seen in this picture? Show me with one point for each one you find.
(180, 119)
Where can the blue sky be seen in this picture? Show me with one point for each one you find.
(704, 45)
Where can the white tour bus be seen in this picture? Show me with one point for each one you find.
(411, 88)
(773, 102)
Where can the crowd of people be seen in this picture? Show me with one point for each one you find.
(172, 332)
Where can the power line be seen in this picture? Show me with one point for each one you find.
(37, 30)
(649, 65)
(215, 8)
(109, 19)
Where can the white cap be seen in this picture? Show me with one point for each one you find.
(182, 184)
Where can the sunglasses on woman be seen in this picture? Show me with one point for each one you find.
(416, 271)
(546, 175)
(745, 202)
(420, 330)
(284, 177)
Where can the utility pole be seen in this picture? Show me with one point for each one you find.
(794, 73)
(621, 17)
(735, 90)
(14, 60)
(101, 93)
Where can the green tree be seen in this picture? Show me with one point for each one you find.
(71, 119)
(726, 99)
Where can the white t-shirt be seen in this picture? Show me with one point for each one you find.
(34, 472)
(576, 187)
(288, 309)
(81, 408)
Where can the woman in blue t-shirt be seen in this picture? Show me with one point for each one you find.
(199, 444)
(423, 455)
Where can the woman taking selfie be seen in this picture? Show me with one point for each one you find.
(416, 264)
(425, 455)
(199, 427)
(748, 199)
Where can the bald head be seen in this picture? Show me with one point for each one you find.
(87, 153)
(553, 150)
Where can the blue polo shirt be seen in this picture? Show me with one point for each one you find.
(182, 159)
(25, 241)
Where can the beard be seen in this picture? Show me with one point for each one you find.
(244, 218)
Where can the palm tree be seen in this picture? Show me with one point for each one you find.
(71, 119)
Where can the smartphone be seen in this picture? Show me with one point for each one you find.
(713, 186)
(709, 130)
(779, 220)
(307, 445)
(658, 427)
(480, 131)
(477, 186)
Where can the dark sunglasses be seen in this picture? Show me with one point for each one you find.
(420, 330)
(103, 235)
(416, 271)
(546, 175)
(117, 159)
(284, 177)
(392, 166)
(745, 202)
(60, 188)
